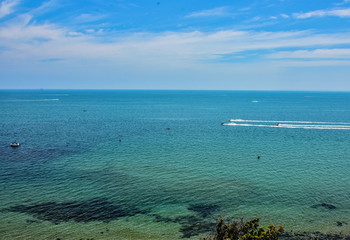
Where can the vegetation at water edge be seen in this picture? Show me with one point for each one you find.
(241, 230)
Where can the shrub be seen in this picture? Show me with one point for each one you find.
(249, 230)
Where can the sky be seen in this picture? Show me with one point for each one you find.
(175, 44)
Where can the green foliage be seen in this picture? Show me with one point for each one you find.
(249, 230)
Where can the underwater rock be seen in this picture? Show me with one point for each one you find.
(201, 227)
(159, 218)
(325, 205)
(97, 209)
(32, 221)
(339, 223)
(203, 210)
(329, 206)
(314, 235)
(191, 225)
(194, 225)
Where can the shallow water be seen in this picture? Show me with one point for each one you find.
(158, 164)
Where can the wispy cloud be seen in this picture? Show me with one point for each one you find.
(343, 13)
(47, 41)
(336, 53)
(6, 7)
(86, 18)
(27, 41)
(220, 11)
(343, 3)
(45, 7)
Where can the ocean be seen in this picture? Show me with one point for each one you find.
(135, 164)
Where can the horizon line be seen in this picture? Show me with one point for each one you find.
(140, 89)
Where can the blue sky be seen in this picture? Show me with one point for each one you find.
(183, 44)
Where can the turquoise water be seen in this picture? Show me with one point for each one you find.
(159, 164)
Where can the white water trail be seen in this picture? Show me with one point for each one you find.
(274, 121)
(302, 126)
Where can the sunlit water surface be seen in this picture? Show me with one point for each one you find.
(160, 164)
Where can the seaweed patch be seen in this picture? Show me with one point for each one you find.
(313, 235)
(203, 210)
(97, 209)
(193, 225)
(325, 205)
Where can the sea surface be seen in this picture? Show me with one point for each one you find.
(113, 164)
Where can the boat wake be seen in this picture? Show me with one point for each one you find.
(289, 124)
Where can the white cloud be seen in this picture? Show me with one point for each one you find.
(343, 13)
(257, 18)
(220, 11)
(25, 41)
(284, 15)
(6, 7)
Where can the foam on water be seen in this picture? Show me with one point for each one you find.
(289, 124)
(310, 126)
(274, 121)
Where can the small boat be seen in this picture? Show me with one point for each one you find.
(15, 144)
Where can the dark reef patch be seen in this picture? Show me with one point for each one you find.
(313, 236)
(97, 209)
(203, 210)
(325, 205)
(193, 225)
(339, 223)
(32, 221)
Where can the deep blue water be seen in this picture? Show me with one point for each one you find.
(153, 164)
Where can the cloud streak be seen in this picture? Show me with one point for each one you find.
(26, 43)
(343, 13)
(6, 7)
(24, 40)
(215, 12)
(313, 54)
